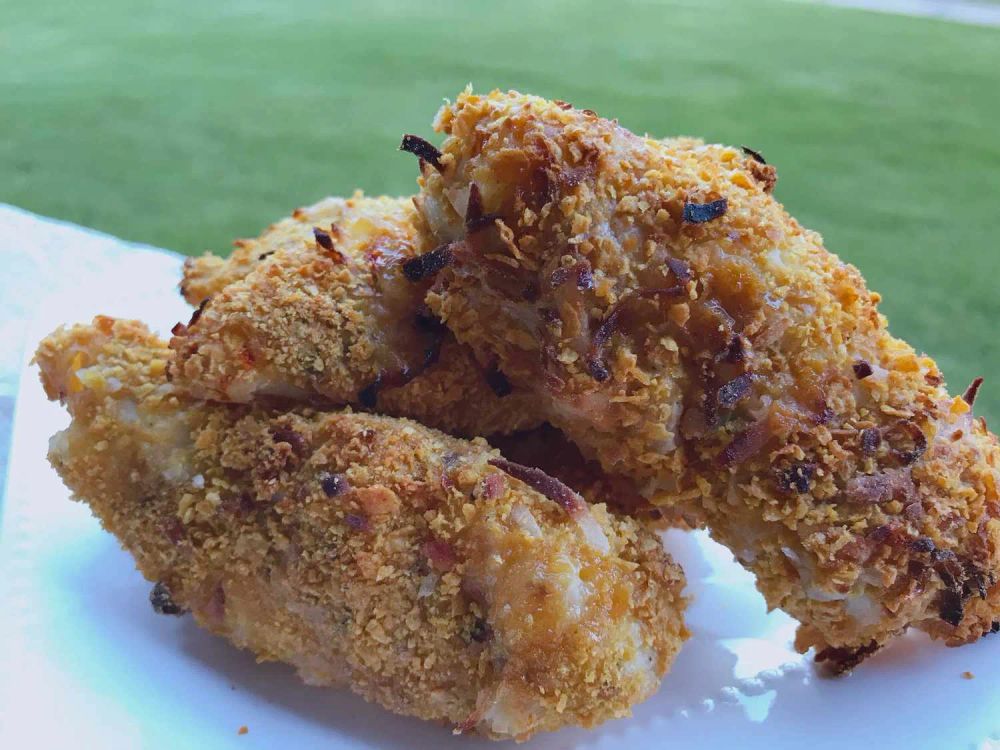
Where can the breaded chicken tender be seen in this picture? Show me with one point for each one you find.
(321, 307)
(425, 572)
(688, 333)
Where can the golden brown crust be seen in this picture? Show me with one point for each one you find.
(364, 550)
(319, 308)
(690, 334)
(209, 274)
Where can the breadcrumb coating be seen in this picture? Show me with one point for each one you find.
(209, 274)
(319, 308)
(365, 551)
(688, 333)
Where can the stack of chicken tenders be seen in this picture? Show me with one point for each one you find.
(308, 464)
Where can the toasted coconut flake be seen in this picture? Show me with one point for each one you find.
(951, 607)
(196, 315)
(216, 607)
(323, 239)
(428, 264)
(474, 208)
(699, 213)
(862, 369)
(595, 363)
(423, 149)
(475, 218)
(541, 482)
(755, 155)
(972, 391)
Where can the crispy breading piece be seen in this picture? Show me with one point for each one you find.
(209, 274)
(366, 551)
(320, 308)
(688, 333)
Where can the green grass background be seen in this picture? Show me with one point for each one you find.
(186, 124)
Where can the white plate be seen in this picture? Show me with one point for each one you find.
(84, 662)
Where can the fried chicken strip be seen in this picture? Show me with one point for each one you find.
(425, 572)
(689, 334)
(320, 307)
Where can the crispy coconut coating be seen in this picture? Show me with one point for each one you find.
(320, 308)
(688, 333)
(209, 274)
(366, 551)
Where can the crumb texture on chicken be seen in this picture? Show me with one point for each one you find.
(373, 552)
(681, 328)
(209, 274)
(320, 308)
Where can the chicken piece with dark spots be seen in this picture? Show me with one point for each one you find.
(722, 360)
(336, 315)
(366, 551)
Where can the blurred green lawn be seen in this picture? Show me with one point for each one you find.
(186, 124)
